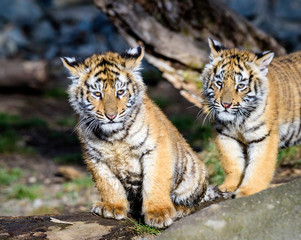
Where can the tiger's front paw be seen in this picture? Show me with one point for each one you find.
(159, 216)
(110, 210)
(227, 187)
(245, 191)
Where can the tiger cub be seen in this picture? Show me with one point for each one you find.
(136, 156)
(256, 103)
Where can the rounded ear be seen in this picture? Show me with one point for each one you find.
(215, 47)
(133, 57)
(74, 65)
(263, 61)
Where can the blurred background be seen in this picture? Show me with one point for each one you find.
(41, 168)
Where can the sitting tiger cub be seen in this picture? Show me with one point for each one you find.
(137, 158)
(256, 104)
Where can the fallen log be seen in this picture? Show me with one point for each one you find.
(21, 73)
(79, 226)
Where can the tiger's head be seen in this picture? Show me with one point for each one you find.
(106, 88)
(234, 81)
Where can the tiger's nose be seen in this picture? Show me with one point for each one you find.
(226, 105)
(111, 116)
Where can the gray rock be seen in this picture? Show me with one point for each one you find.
(246, 8)
(11, 40)
(51, 52)
(281, 19)
(20, 12)
(44, 33)
(271, 214)
(74, 14)
(289, 10)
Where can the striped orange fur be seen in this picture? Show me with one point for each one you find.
(256, 106)
(138, 159)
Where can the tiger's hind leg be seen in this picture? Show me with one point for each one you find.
(183, 211)
(190, 185)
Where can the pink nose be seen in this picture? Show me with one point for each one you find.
(226, 105)
(111, 116)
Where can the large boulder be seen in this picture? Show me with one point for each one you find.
(271, 214)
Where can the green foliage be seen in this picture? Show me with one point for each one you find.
(211, 158)
(151, 76)
(32, 123)
(71, 158)
(10, 179)
(10, 121)
(292, 154)
(56, 93)
(67, 122)
(201, 132)
(85, 182)
(7, 119)
(142, 229)
(10, 140)
(62, 136)
(20, 191)
(9, 176)
(195, 133)
(182, 123)
(161, 102)
(78, 184)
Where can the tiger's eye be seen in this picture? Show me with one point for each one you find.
(120, 92)
(219, 83)
(240, 86)
(97, 94)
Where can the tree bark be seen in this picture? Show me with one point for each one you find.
(175, 35)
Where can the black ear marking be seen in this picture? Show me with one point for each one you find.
(261, 54)
(133, 53)
(215, 45)
(263, 60)
(75, 66)
(72, 61)
(132, 58)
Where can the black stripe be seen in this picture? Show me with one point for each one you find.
(251, 78)
(240, 67)
(104, 62)
(256, 87)
(136, 111)
(146, 153)
(86, 84)
(288, 138)
(260, 139)
(142, 142)
(255, 127)
(178, 158)
(226, 135)
(128, 78)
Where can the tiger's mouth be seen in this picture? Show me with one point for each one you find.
(225, 114)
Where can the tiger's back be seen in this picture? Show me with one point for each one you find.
(285, 75)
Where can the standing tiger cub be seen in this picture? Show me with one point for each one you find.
(256, 104)
(137, 158)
